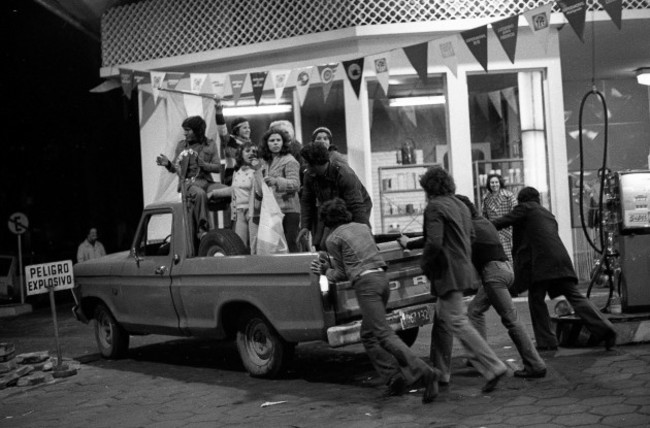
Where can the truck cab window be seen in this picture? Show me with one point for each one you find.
(156, 235)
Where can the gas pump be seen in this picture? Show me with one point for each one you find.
(631, 197)
(625, 236)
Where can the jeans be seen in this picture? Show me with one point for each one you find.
(450, 320)
(592, 318)
(388, 354)
(497, 277)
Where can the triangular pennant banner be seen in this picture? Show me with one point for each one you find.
(196, 82)
(447, 47)
(258, 79)
(173, 79)
(218, 84)
(279, 79)
(506, 31)
(417, 55)
(237, 84)
(575, 12)
(381, 71)
(539, 20)
(511, 99)
(126, 80)
(327, 74)
(483, 104)
(476, 40)
(157, 82)
(303, 80)
(354, 71)
(495, 99)
(409, 112)
(613, 9)
(140, 78)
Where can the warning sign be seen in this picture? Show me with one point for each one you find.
(40, 278)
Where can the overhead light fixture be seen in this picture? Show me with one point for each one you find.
(253, 110)
(643, 76)
(416, 101)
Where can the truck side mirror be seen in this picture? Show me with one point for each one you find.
(134, 254)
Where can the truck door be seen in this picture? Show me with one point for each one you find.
(145, 282)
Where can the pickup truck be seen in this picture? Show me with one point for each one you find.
(169, 284)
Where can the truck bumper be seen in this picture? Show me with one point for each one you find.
(399, 319)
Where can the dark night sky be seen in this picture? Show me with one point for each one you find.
(71, 158)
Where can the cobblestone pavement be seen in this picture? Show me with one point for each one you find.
(169, 382)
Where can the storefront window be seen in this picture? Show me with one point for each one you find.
(508, 131)
(413, 113)
(408, 132)
(317, 111)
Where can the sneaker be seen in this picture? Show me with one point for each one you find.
(396, 387)
(491, 384)
(530, 374)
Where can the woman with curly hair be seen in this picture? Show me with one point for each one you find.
(498, 202)
(281, 172)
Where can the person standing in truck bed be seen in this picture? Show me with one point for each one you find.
(354, 256)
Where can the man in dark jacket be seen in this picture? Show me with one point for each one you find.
(492, 264)
(325, 180)
(543, 265)
(447, 262)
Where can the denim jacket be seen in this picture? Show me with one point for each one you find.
(353, 250)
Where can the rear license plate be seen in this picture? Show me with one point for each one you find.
(415, 317)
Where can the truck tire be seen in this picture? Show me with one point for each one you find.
(408, 336)
(262, 351)
(221, 242)
(112, 339)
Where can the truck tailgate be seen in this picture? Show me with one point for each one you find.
(408, 285)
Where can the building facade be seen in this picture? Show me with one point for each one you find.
(511, 119)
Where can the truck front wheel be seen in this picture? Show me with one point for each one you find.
(112, 339)
(263, 352)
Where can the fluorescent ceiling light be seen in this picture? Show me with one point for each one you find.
(643, 76)
(416, 101)
(253, 110)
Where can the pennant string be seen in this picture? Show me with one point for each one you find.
(613, 11)
(178, 91)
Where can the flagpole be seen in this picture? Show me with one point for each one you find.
(177, 91)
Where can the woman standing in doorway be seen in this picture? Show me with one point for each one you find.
(498, 202)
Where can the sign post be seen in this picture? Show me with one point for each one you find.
(18, 224)
(48, 278)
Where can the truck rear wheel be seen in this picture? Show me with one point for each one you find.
(408, 336)
(112, 339)
(221, 242)
(263, 352)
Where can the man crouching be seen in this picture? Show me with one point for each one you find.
(355, 256)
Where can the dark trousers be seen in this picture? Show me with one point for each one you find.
(592, 318)
(388, 353)
(291, 226)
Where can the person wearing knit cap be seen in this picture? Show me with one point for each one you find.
(240, 132)
(323, 135)
(195, 159)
